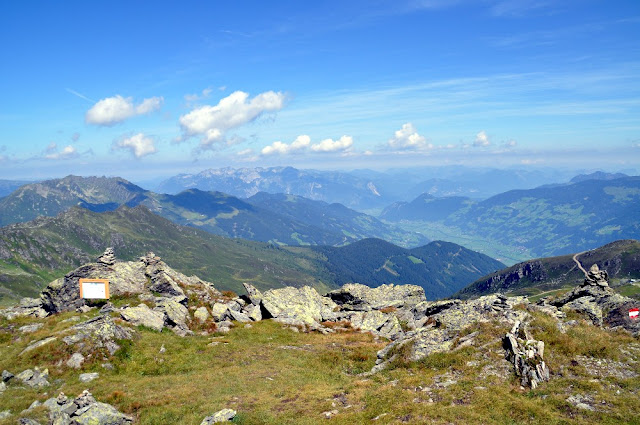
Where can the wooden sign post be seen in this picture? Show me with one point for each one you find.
(95, 289)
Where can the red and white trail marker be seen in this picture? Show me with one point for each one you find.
(633, 313)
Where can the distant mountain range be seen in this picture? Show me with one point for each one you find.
(362, 189)
(268, 218)
(621, 260)
(36, 252)
(332, 187)
(545, 221)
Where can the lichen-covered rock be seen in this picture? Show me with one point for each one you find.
(201, 314)
(34, 378)
(84, 410)
(220, 312)
(143, 315)
(253, 294)
(98, 332)
(223, 415)
(303, 304)
(37, 344)
(28, 307)
(358, 297)
(175, 314)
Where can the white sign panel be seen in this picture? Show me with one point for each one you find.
(94, 289)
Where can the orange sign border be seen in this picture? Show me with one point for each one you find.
(106, 285)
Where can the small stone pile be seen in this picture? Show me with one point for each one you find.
(84, 409)
(526, 355)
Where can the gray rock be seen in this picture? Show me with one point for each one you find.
(175, 314)
(34, 378)
(100, 331)
(253, 312)
(5, 414)
(354, 296)
(223, 415)
(30, 328)
(7, 376)
(239, 316)
(101, 414)
(526, 355)
(28, 307)
(201, 314)
(254, 295)
(88, 377)
(3, 387)
(220, 312)
(75, 361)
(108, 258)
(303, 304)
(27, 421)
(143, 315)
(37, 344)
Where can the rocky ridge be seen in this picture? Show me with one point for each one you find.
(416, 327)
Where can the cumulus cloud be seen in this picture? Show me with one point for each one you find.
(212, 122)
(139, 145)
(343, 144)
(408, 138)
(482, 140)
(113, 110)
(67, 152)
(301, 143)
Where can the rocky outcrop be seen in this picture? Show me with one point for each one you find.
(297, 305)
(148, 274)
(83, 410)
(358, 297)
(527, 356)
(438, 324)
(28, 307)
(98, 332)
(595, 299)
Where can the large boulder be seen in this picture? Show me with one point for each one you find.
(358, 297)
(143, 315)
(303, 305)
(98, 332)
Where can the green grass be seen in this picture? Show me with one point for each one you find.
(271, 375)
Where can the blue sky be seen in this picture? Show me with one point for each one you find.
(145, 89)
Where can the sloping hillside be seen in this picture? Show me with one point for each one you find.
(441, 268)
(621, 260)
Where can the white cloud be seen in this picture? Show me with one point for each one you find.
(511, 144)
(139, 145)
(194, 97)
(112, 110)
(481, 140)
(66, 153)
(408, 138)
(301, 143)
(212, 122)
(328, 145)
